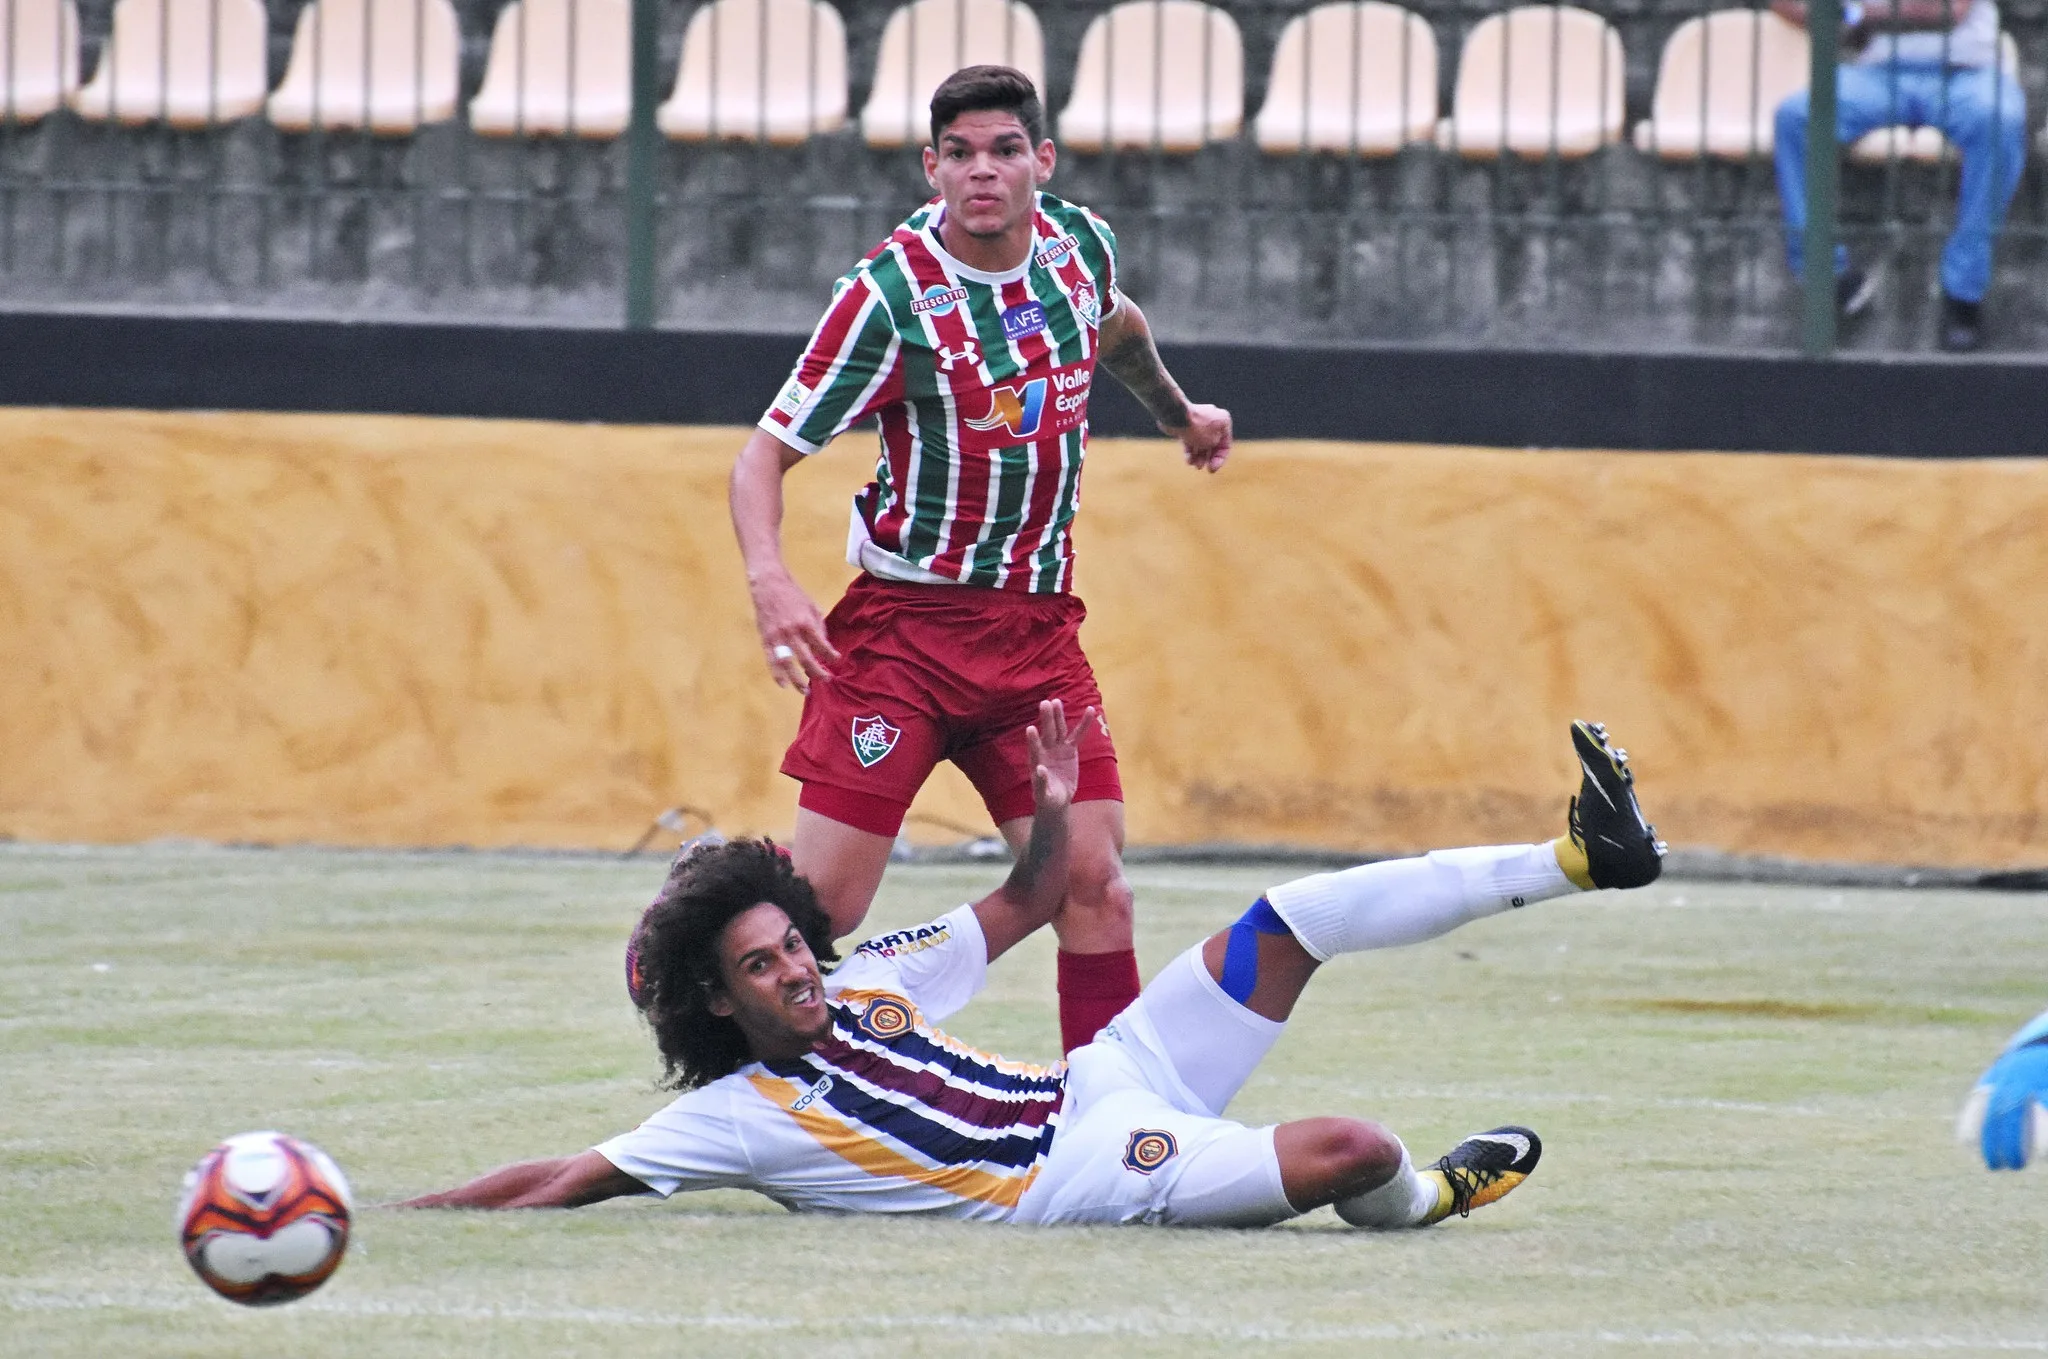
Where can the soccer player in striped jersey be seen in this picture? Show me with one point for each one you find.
(837, 1092)
(972, 335)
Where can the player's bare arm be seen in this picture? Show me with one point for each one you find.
(1037, 885)
(1129, 353)
(562, 1182)
(1886, 16)
(792, 631)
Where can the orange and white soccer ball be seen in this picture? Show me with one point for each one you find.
(264, 1218)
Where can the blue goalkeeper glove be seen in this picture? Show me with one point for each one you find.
(2007, 1114)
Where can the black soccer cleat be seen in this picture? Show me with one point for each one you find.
(1481, 1169)
(1610, 844)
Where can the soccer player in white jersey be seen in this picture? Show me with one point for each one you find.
(972, 336)
(835, 1092)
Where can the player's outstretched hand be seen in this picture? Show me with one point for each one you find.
(792, 632)
(1056, 753)
(2007, 1114)
(1205, 439)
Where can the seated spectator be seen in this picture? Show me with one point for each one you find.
(1931, 63)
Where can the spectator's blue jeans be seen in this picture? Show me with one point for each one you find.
(1980, 110)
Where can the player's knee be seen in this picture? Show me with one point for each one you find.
(1099, 889)
(1357, 1155)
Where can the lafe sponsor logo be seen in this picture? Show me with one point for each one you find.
(1017, 410)
(968, 353)
(1057, 250)
(1026, 318)
(937, 300)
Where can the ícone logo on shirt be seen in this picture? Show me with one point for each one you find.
(811, 1096)
(938, 300)
(1026, 318)
(873, 738)
(967, 353)
(1149, 1149)
(886, 1019)
(1018, 410)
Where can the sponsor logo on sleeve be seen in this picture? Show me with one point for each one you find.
(1024, 319)
(898, 942)
(794, 394)
(1149, 1149)
(873, 739)
(1058, 250)
(938, 300)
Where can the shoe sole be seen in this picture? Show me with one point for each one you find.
(1603, 764)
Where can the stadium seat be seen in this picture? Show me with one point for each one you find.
(1536, 81)
(189, 63)
(38, 57)
(759, 70)
(1925, 145)
(928, 40)
(1156, 73)
(1357, 78)
(1719, 85)
(558, 68)
(388, 66)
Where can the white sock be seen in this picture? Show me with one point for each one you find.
(1405, 901)
(1404, 1201)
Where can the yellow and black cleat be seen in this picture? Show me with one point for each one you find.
(1481, 1169)
(1610, 844)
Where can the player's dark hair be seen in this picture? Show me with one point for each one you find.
(972, 88)
(679, 956)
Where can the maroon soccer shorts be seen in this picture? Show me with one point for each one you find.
(942, 672)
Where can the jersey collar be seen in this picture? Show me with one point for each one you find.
(972, 275)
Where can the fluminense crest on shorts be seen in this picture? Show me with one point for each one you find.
(873, 738)
(1149, 1149)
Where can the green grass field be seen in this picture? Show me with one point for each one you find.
(1747, 1098)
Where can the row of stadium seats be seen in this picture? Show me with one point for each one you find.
(1356, 77)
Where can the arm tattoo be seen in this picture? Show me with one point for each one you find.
(1134, 359)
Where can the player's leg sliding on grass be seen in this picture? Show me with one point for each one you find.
(837, 1093)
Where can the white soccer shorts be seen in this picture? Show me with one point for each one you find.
(1140, 1140)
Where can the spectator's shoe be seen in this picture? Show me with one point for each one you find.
(1854, 291)
(1480, 1170)
(1962, 325)
(1610, 844)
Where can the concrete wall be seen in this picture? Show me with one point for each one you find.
(385, 630)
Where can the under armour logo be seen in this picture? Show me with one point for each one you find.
(967, 353)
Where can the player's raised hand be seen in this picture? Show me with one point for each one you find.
(1205, 438)
(1056, 753)
(792, 631)
(2007, 1114)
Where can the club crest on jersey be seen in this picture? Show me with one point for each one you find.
(1149, 1149)
(968, 353)
(886, 1019)
(938, 300)
(1019, 410)
(1087, 302)
(1026, 318)
(873, 738)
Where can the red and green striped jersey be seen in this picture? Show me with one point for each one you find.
(980, 384)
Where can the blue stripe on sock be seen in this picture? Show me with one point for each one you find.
(1241, 950)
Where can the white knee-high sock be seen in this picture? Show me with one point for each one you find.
(1405, 901)
(1404, 1201)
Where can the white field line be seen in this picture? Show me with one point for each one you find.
(1137, 1324)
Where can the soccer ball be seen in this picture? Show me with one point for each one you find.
(264, 1218)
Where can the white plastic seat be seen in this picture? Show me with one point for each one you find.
(1925, 145)
(1357, 78)
(389, 66)
(759, 70)
(558, 68)
(189, 63)
(1536, 81)
(1719, 84)
(928, 40)
(1156, 73)
(38, 57)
